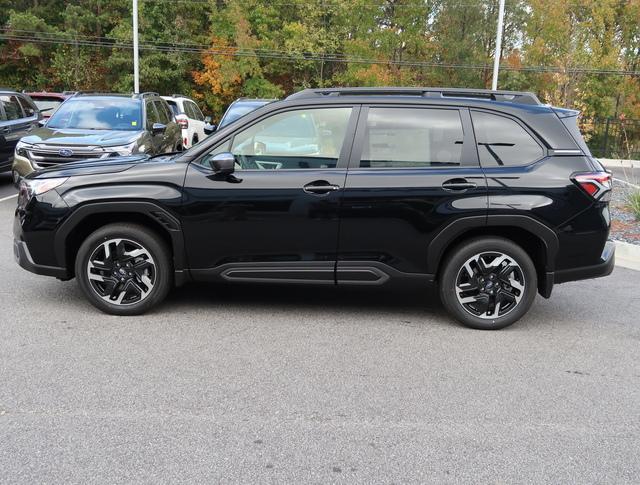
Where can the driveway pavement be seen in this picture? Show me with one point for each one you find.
(250, 384)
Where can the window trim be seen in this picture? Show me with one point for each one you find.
(469, 154)
(544, 148)
(345, 151)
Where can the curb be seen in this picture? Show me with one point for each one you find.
(628, 255)
(617, 163)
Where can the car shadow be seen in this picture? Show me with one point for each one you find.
(310, 297)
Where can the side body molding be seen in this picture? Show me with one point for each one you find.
(160, 215)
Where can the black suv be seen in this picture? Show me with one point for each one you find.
(98, 126)
(18, 116)
(491, 195)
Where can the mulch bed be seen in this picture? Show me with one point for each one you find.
(624, 226)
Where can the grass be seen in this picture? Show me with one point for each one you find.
(634, 203)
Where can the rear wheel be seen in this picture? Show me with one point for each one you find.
(124, 269)
(488, 283)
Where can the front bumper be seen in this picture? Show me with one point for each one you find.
(603, 268)
(24, 259)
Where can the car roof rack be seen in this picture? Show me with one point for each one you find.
(95, 93)
(176, 95)
(521, 97)
(146, 94)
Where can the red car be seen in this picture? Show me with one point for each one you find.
(47, 103)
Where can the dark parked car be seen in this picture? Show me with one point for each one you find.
(493, 196)
(241, 107)
(48, 102)
(99, 126)
(18, 116)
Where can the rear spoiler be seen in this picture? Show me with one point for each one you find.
(565, 112)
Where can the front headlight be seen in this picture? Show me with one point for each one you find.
(21, 149)
(31, 187)
(122, 150)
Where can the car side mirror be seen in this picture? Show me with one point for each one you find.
(209, 127)
(223, 163)
(208, 120)
(158, 128)
(42, 122)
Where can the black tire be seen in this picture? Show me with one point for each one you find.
(455, 271)
(194, 140)
(158, 269)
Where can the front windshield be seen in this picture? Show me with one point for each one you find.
(98, 114)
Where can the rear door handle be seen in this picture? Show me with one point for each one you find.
(320, 187)
(458, 185)
(4, 130)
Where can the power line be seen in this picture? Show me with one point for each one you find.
(281, 55)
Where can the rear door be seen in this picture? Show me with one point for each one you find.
(413, 170)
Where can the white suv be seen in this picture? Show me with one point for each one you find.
(189, 118)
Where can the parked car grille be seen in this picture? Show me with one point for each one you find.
(44, 157)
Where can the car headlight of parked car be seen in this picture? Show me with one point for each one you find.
(122, 150)
(32, 187)
(21, 149)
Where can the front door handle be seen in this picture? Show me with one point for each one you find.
(458, 185)
(320, 187)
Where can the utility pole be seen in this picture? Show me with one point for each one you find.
(136, 61)
(496, 57)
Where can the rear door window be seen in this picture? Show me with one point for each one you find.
(11, 106)
(28, 109)
(412, 138)
(503, 141)
(164, 114)
(152, 115)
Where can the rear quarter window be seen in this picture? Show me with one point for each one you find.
(503, 141)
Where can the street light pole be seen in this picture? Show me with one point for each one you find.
(136, 62)
(496, 57)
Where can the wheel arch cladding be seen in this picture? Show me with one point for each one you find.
(91, 217)
(538, 240)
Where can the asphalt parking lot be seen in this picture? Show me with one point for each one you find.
(251, 384)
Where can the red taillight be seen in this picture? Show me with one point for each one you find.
(183, 123)
(596, 184)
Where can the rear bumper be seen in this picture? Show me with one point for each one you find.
(24, 259)
(603, 268)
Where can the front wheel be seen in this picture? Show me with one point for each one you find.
(124, 269)
(488, 283)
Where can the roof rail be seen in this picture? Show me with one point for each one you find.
(175, 95)
(145, 94)
(508, 96)
(95, 93)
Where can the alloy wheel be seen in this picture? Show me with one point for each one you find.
(490, 285)
(121, 271)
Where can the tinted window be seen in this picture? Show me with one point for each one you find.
(238, 110)
(309, 138)
(163, 112)
(152, 115)
(189, 110)
(98, 114)
(27, 108)
(503, 142)
(194, 111)
(412, 137)
(174, 107)
(11, 106)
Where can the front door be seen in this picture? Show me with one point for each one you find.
(413, 171)
(276, 217)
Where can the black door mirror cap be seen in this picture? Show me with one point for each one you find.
(158, 128)
(209, 128)
(223, 163)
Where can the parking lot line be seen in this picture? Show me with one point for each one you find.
(9, 197)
